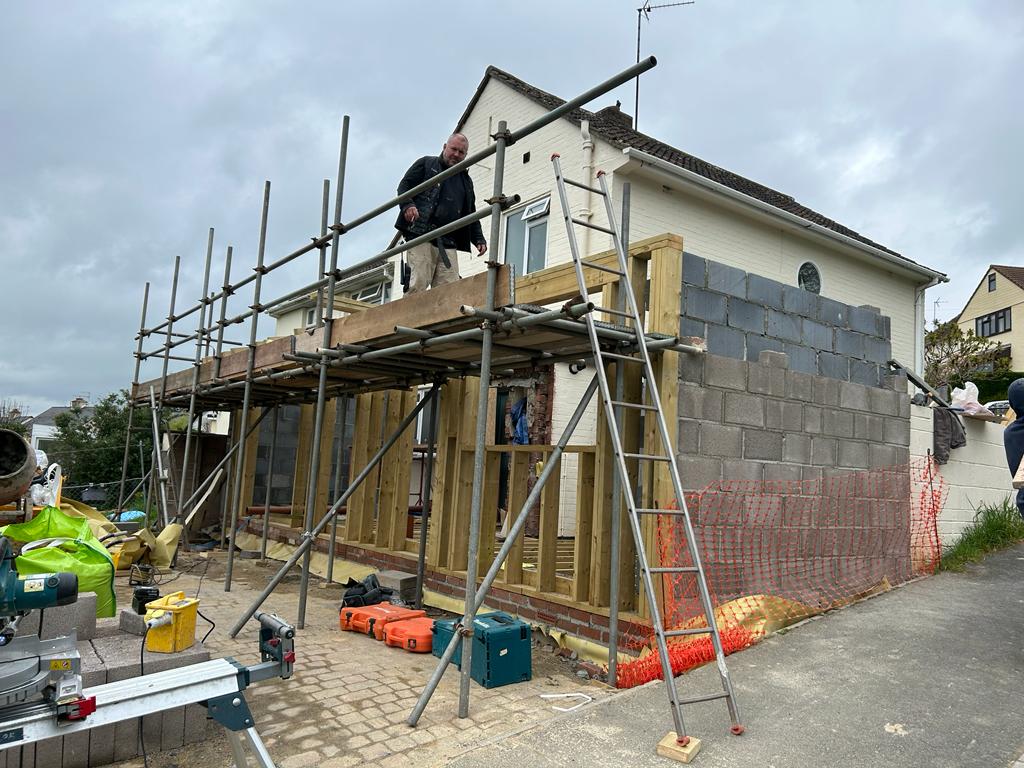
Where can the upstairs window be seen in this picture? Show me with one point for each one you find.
(993, 323)
(991, 282)
(526, 236)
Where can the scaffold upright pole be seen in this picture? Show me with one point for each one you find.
(131, 406)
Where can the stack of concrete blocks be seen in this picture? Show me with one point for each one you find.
(794, 401)
(109, 655)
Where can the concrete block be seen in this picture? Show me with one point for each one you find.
(867, 426)
(902, 454)
(402, 582)
(896, 431)
(739, 469)
(726, 279)
(61, 621)
(688, 439)
(172, 728)
(863, 372)
(796, 449)
(810, 474)
(101, 745)
(704, 305)
(826, 391)
(131, 622)
(799, 385)
(823, 451)
(803, 359)
(783, 473)
(763, 291)
(884, 326)
(758, 444)
(699, 471)
(746, 315)
(695, 270)
(799, 301)
(881, 456)
(744, 409)
(904, 403)
(76, 750)
(726, 342)
(699, 403)
(832, 312)
(691, 368)
(29, 625)
(897, 382)
(766, 381)
(863, 319)
(689, 327)
(725, 372)
(784, 325)
(196, 723)
(854, 397)
(834, 366)
(812, 420)
(773, 359)
(877, 350)
(884, 401)
(837, 423)
(849, 343)
(758, 343)
(784, 415)
(50, 752)
(816, 335)
(853, 454)
(721, 440)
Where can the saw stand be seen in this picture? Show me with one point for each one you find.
(217, 684)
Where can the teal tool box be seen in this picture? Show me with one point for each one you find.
(501, 650)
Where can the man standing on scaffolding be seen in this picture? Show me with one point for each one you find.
(442, 204)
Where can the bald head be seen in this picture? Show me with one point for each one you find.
(455, 149)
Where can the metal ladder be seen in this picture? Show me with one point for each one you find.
(638, 353)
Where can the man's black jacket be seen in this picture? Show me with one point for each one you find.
(456, 199)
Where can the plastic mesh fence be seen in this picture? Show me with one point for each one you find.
(776, 552)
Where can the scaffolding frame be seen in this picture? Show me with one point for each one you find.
(412, 356)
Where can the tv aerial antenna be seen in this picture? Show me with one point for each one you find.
(644, 12)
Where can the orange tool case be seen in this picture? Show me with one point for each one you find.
(416, 635)
(371, 619)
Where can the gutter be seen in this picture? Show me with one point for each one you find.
(645, 159)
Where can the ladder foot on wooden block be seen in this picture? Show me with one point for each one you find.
(670, 747)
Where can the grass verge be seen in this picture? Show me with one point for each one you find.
(995, 527)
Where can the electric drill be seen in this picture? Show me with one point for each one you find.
(19, 595)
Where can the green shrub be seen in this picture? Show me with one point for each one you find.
(995, 527)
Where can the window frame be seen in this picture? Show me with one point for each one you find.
(991, 281)
(994, 323)
(817, 270)
(534, 215)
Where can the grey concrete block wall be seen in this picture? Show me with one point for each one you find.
(760, 432)
(742, 314)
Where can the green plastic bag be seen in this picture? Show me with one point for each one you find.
(81, 554)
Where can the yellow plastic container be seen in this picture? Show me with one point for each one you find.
(181, 632)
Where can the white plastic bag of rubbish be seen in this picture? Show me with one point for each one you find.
(967, 400)
(45, 494)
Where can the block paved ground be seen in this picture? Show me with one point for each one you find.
(348, 700)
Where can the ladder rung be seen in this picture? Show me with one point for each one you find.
(636, 406)
(602, 267)
(706, 697)
(616, 312)
(581, 185)
(682, 632)
(588, 225)
(646, 457)
(648, 511)
(674, 569)
(620, 356)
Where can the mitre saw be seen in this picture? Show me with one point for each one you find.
(35, 672)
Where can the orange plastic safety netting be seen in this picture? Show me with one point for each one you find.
(776, 552)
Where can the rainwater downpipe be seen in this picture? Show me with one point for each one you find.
(588, 176)
(920, 323)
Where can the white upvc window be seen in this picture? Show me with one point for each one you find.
(526, 236)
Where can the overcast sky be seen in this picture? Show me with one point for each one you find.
(128, 129)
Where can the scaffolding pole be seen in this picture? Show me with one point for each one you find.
(427, 476)
(131, 406)
(318, 420)
(269, 487)
(236, 491)
(343, 417)
(180, 517)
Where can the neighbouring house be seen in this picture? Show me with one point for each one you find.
(43, 427)
(989, 311)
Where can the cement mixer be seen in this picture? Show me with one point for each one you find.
(17, 465)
